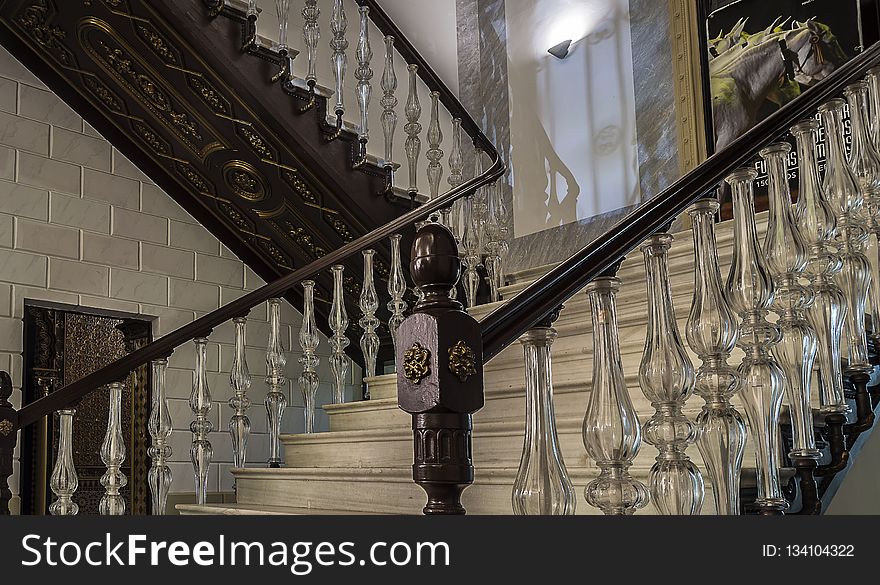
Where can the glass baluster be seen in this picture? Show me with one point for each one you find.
(750, 292)
(338, 45)
(201, 452)
(308, 341)
(712, 334)
(389, 101)
(369, 302)
(542, 485)
(434, 153)
(396, 290)
(846, 200)
(113, 454)
(413, 128)
(276, 381)
(282, 9)
(786, 256)
(364, 74)
(456, 171)
(311, 36)
(240, 381)
(160, 427)
(666, 377)
(611, 426)
(817, 225)
(64, 481)
(338, 341)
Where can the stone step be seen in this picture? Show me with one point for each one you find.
(253, 510)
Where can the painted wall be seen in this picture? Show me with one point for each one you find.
(572, 121)
(81, 226)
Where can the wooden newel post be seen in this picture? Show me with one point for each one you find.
(440, 373)
(8, 437)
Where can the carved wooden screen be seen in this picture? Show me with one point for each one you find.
(61, 347)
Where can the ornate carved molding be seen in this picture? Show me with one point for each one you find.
(688, 90)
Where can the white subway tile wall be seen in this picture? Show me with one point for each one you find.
(82, 226)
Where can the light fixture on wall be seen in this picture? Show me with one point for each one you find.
(560, 51)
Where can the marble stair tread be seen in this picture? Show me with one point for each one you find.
(256, 510)
(392, 491)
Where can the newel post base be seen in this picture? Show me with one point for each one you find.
(440, 373)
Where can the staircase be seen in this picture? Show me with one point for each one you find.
(363, 465)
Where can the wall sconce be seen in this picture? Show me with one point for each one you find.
(560, 51)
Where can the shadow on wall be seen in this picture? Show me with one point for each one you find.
(573, 132)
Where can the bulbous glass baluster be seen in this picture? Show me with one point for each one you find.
(611, 427)
(276, 400)
(413, 128)
(113, 454)
(64, 480)
(471, 238)
(542, 485)
(160, 426)
(308, 341)
(338, 45)
(396, 290)
(389, 100)
(667, 380)
(750, 292)
(240, 381)
(712, 334)
(864, 161)
(338, 341)
(201, 451)
(817, 225)
(786, 256)
(311, 36)
(252, 8)
(841, 189)
(282, 8)
(369, 302)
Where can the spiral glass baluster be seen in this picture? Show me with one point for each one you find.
(842, 190)
(64, 481)
(750, 292)
(276, 381)
(113, 454)
(240, 381)
(542, 485)
(712, 334)
(201, 452)
(160, 426)
(786, 257)
(369, 302)
(611, 427)
(667, 380)
(308, 342)
(396, 290)
(817, 225)
(338, 341)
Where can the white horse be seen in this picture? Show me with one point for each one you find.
(745, 76)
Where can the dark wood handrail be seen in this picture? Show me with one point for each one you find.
(505, 324)
(202, 327)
